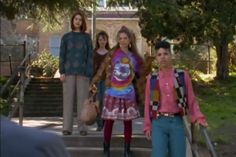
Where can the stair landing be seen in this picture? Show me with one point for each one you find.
(91, 145)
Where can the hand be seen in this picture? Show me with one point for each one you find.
(62, 77)
(202, 123)
(148, 134)
(93, 89)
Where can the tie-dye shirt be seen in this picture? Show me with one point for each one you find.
(124, 66)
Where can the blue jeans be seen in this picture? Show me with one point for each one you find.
(100, 95)
(168, 136)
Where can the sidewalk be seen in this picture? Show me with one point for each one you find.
(54, 124)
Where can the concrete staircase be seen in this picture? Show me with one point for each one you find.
(43, 97)
(92, 146)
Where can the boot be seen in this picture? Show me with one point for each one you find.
(127, 152)
(106, 149)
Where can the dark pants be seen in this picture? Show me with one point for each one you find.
(100, 96)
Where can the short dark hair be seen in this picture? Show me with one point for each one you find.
(162, 44)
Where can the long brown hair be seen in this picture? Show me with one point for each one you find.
(83, 27)
(132, 37)
(104, 35)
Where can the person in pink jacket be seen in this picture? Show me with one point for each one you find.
(168, 96)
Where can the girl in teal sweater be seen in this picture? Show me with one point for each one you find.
(75, 67)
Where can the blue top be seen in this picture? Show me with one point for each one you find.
(17, 141)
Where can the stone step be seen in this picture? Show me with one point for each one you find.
(45, 88)
(98, 152)
(44, 99)
(45, 80)
(40, 93)
(38, 85)
(92, 145)
(43, 107)
(43, 94)
(97, 141)
(49, 113)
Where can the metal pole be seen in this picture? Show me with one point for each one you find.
(188, 131)
(22, 79)
(209, 59)
(208, 141)
(93, 21)
(24, 50)
(10, 64)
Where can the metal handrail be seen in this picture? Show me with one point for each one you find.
(22, 83)
(13, 76)
(191, 139)
(208, 141)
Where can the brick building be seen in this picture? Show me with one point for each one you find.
(109, 20)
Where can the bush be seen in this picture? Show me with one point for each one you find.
(2, 80)
(45, 65)
(4, 107)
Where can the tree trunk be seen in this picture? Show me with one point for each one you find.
(222, 64)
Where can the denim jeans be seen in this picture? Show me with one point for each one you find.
(100, 95)
(168, 136)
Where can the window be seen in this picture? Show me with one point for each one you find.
(54, 45)
(102, 3)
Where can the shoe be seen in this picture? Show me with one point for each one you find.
(66, 132)
(83, 133)
(106, 149)
(99, 128)
(127, 152)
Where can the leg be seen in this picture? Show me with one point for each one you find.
(108, 124)
(128, 136)
(82, 87)
(100, 95)
(68, 102)
(177, 143)
(159, 137)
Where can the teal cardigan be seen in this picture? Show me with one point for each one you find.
(76, 54)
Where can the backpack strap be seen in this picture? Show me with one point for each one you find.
(154, 95)
(179, 84)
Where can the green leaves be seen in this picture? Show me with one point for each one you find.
(45, 65)
(47, 11)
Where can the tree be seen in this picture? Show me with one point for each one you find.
(191, 22)
(49, 12)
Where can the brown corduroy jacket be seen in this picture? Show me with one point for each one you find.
(105, 67)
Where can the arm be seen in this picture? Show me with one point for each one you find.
(62, 56)
(147, 121)
(101, 69)
(195, 114)
(89, 69)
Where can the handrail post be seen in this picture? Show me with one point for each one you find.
(24, 51)
(208, 141)
(10, 64)
(22, 79)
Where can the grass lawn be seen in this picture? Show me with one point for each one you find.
(218, 103)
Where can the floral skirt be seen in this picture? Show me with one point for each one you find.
(119, 108)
